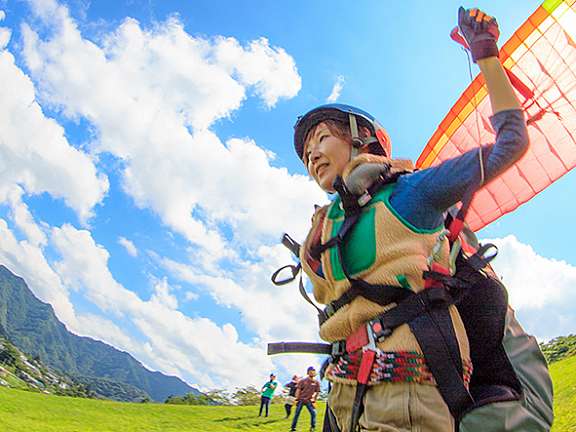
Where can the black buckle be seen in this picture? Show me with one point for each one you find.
(329, 310)
(379, 331)
(323, 315)
(338, 348)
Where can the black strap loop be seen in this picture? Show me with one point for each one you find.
(294, 270)
(317, 250)
(480, 260)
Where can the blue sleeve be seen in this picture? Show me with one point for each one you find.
(422, 197)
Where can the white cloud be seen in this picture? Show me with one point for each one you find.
(271, 70)
(5, 35)
(273, 313)
(34, 153)
(173, 342)
(336, 90)
(163, 296)
(128, 245)
(541, 289)
(534, 281)
(24, 220)
(191, 296)
(27, 260)
(83, 267)
(102, 329)
(152, 94)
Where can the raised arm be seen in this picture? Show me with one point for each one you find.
(436, 189)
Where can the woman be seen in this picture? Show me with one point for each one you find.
(391, 238)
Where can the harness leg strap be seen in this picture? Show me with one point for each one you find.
(368, 357)
(330, 423)
(357, 406)
(435, 334)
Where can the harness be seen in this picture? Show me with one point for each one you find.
(426, 312)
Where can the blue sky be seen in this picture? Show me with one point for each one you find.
(147, 170)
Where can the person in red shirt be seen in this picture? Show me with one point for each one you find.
(306, 394)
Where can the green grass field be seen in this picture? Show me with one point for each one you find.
(30, 412)
(564, 377)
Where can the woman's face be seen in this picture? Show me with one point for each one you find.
(326, 155)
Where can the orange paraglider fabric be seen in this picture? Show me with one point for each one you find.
(541, 61)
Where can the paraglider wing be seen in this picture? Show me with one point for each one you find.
(540, 58)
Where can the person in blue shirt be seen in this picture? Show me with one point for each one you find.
(267, 393)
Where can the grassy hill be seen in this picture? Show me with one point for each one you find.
(32, 326)
(26, 411)
(33, 412)
(564, 378)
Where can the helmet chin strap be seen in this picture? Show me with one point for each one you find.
(357, 141)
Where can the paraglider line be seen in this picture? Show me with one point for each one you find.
(477, 116)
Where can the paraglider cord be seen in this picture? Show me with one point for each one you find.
(477, 117)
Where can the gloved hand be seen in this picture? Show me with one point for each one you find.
(480, 31)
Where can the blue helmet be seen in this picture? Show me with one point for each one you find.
(345, 114)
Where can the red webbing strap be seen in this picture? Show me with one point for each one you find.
(366, 364)
(457, 223)
(455, 228)
(436, 268)
(357, 340)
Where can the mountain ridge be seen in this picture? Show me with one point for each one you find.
(32, 326)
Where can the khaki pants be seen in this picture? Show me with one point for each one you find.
(393, 407)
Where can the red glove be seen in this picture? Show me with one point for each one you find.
(480, 31)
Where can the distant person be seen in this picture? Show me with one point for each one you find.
(267, 392)
(307, 391)
(290, 389)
